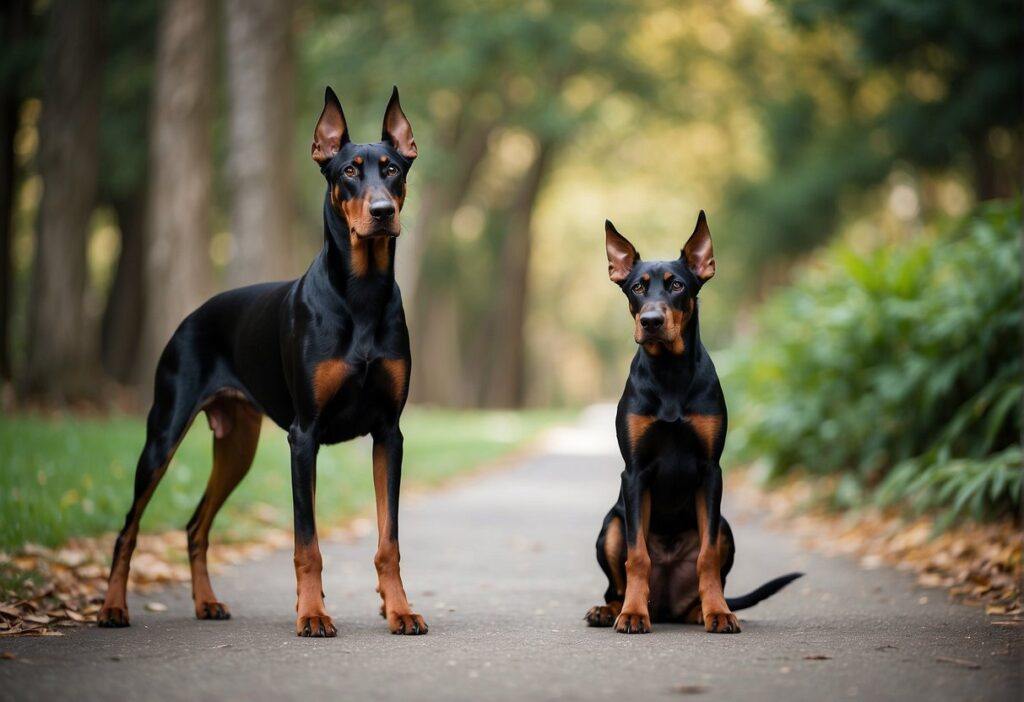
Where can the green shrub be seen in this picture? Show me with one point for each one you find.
(900, 369)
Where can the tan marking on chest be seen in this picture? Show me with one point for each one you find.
(637, 425)
(395, 368)
(327, 379)
(707, 428)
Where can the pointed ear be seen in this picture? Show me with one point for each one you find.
(331, 131)
(622, 255)
(397, 131)
(698, 252)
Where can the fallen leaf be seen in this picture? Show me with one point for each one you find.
(958, 661)
(689, 689)
(817, 657)
(7, 656)
(156, 607)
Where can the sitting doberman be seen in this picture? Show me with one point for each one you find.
(665, 546)
(326, 357)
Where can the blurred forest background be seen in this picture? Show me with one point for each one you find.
(157, 152)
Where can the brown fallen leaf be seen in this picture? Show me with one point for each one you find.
(7, 656)
(75, 616)
(963, 663)
(689, 689)
(37, 618)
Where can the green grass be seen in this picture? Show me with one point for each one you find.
(61, 478)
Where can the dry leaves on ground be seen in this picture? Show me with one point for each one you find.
(978, 564)
(65, 586)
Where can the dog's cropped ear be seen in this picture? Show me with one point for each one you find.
(331, 131)
(622, 255)
(397, 131)
(698, 252)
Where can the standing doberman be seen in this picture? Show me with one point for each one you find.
(326, 357)
(664, 546)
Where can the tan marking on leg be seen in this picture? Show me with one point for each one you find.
(716, 614)
(635, 617)
(637, 425)
(233, 451)
(614, 541)
(115, 602)
(328, 377)
(312, 619)
(400, 617)
(395, 367)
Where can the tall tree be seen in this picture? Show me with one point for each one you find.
(178, 269)
(61, 336)
(504, 381)
(128, 86)
(15, 29)
(260, 76)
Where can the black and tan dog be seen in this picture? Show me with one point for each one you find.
(665, 546)
(326, 357)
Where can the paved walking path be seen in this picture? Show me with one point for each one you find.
(502, 566)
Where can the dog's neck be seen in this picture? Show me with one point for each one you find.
(357, 274)
(355, 264)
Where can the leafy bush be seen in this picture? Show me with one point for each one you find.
(899, 369)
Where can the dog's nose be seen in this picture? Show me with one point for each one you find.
(382, 209)
(652, 321)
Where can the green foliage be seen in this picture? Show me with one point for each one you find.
(900, 369)
(73, 477)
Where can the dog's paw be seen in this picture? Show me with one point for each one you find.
(601, 615)
(316, 626)
(409, 624)
(112, 617)
(631, 623)
(212, 610)
(721, 623)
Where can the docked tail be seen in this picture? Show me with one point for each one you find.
(761, 593)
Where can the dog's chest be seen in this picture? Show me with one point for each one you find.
(368, 395)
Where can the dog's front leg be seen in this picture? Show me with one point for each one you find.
(717, 617)
(635, 617)
(387, 478)
(312, 619)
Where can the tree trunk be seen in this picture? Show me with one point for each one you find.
(504, 380)
(16, 18)
(122, 316)
(437, 361)
(62, 342)
(260, 77)
(178, 275)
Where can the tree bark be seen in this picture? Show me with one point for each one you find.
(62, 340)
(260, 77)
(122, 316)
(16, 18)
(434, 328)
(504, 382)
(178, 275)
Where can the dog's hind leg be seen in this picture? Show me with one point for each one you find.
(174, 408)
(236, 431)
(611, 556)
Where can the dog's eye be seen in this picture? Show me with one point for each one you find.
(638, 288)
(391, 170)
(350, 171)
(676, 286)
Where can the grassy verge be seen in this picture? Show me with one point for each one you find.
(68, 477)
